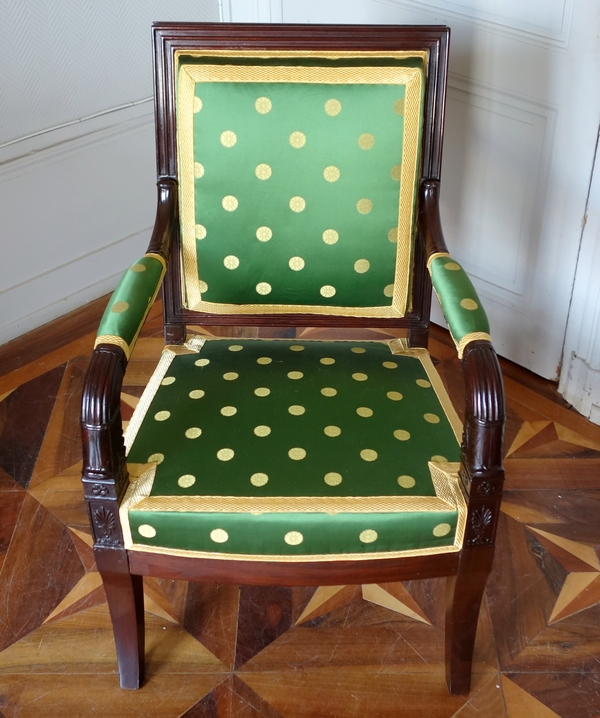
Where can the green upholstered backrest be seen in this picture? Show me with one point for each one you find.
(297, 181)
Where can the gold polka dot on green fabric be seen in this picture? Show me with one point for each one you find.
(364, 411)
(297, 348)
(390, 365)
(452, 266)
(423, 383)
(358, 350)
(368, 455)
(368, 536)
(295, 375)
(146, 531)
(263, 105)
(231, 262)
(296, 410)
(395, 172)
(225, 454)
(327, 291)
(296, 263)
(263, 171)
(202, 362)
(331, 173)
(219, 536)
(432, 418)
(399, 106)
(297, 204)
(230, 203)
(364, 205)
(203, 286)
(193, 432)
(264, 234)
(442, 530)
(235, 347)
(394, 395)
(263, 288)
(262, 391)
(168, 380)
(259, 479)
(162, 415)
(230, 376)
(407, 482)
(264, 360)
(359, 376)
(198, 170)
(228, 410)
(228, 138)
(196, 394)
(293, 538)
(186, 481)
(156, 458)
(438, 458)
(119, 307)
(328, 391)
(330, 236)
(200, 231)
(332, 431)
(138, 268)
(262, 430)
(469, 304)
(402, 435)
(197, 104)
(333, 107)
(388, 290)
(297, 140)
(393, 234)
(333, 478)
(366, 141)
(297, 453)
(327, 360)
(361, 266)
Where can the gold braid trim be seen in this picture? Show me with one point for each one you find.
(113, 339)
(161, 259)
(435, 255)
(471, 337)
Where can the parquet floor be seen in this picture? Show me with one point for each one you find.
(216, 651)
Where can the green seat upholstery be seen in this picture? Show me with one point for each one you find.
(294, 449)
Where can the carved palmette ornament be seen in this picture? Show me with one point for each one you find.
(104, 521)
(481, 526)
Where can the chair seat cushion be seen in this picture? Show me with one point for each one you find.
(296, 450)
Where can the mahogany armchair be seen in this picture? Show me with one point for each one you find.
(298, 185)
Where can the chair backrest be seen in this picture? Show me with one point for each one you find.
(298, 161)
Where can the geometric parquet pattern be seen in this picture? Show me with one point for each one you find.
(217, 651)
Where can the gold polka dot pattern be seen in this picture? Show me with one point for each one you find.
(432, 418)
(262, 430)
(330, 236)
(263, 288)
(295, 375)
(186, 481)
(364, 411)
(162, 415)
(264, 360)
(193, 432)
(146, 531)
(333, 478)
(368, 455)
(297, 140)
(393, 234)
(364, 206)
(395, 172)
(293, 538)
(219, 535)
(406, 482)
(297, 204)
(402, 435)
(358, 350)
(197, 104)
(230, 376)
(228, 410)
(332, 431)
(263, 172)
(203, 286)
(263, 105)
(368, 536)
(366, 141)
(198, 170)
(156, 458)
(228, 138)
(202, 362)
(297, 453)
(196, 394)
(297, 348)
(296, 410)
(390, 365)
(231, 262)
(200, 231)
(328, 391)
(137, 268)
(235, 348)
(327, 291)
(399, 106)
(331, 173)
(423, 383)
(296, 263)
(264, 234)
(452, 266)
(394, 395)
(230, 203)
(225, 454)
(333, 107)
(259, 479)
(469, 304)
(119, 307)
(442, 530)
(388, 290)
(327, 360)
(361, 266)
(168, 380)
(262, 391)
(439, 458)
(359, 376)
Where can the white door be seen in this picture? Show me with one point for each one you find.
(522, 119)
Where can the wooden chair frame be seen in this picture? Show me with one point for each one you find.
(105, 475)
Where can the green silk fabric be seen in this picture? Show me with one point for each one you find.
(458, 298)
(131, 300)
(338, 402)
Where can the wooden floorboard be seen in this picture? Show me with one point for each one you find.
(276, 652)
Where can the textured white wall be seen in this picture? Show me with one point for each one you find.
(77, 167)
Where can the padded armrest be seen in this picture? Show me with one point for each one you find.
(130, 303)
(462, 308)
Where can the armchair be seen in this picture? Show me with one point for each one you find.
(298, 185)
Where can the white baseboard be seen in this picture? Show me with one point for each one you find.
(77, 206)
